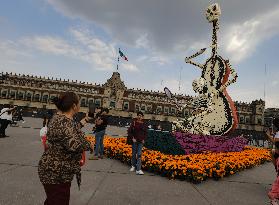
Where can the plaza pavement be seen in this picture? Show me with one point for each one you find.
(110, 182)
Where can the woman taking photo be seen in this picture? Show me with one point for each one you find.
(66, 142)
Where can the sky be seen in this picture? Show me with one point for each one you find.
(79, 40)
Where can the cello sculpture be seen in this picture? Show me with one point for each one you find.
(214, 112)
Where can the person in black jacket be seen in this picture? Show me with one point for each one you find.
(100, 130)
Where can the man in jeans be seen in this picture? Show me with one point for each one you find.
(138, 131)
(101, 125)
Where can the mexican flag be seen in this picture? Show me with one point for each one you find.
(122, 55)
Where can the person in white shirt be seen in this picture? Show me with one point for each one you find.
(6, 117)
(43, 133)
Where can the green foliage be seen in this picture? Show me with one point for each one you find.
(164, 142)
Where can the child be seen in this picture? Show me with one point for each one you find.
(274, 192)
(43, 134)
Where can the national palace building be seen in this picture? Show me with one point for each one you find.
(36, 92)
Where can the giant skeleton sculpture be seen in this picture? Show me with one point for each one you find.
(214, 112)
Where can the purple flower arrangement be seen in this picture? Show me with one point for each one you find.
(193, 143)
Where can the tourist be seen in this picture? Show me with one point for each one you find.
(61, 161)
(100, 130)
(138, 131)
(274, 192)
(159, 128)
(6, 117)
(98, 111)
(20, 116)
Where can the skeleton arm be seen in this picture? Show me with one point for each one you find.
(188, 59)
(231, 80)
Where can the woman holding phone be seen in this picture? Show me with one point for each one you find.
(66, 143)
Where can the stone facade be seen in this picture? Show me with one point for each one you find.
(37, 92)
(269, 115)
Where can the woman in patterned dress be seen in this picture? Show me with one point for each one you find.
(66, 142)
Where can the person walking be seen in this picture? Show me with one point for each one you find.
(100, 130)
(6, 117)
(66, 143)
(138, 132)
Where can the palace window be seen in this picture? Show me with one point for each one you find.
(137, 107)
(259, 121)
(143, 108)
(28, 96)
(159, 110)
(45, 98)
(37, 98)
(20, 96)
(126, 106)
(4, 94)
(173, 110)
(12, 94)
(83, 102)
(241, 119)
(166, 110)
(112, 104)
(52, 97)
(98, 103)
(90, 102)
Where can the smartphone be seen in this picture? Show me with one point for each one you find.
(79, 116)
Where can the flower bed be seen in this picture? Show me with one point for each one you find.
(192, 143)
(186, 143)
(192, 167)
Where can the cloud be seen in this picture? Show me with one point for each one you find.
(172, 27)
(129, 67)
(95, 52)
(275, 83)
(84, 47)
(142, 41)
(243, 38)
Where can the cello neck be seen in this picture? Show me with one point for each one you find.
(214, 38)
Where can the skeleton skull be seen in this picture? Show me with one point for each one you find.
(213, 12)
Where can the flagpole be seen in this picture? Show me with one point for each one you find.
(264, 81)
(118, 60)
(117, 64)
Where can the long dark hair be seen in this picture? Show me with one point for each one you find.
(66, 101)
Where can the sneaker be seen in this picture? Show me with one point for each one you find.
(101, 156)
(139, 172)
(132, 169)
(23, 121)
(93, 157)
(273, 202)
